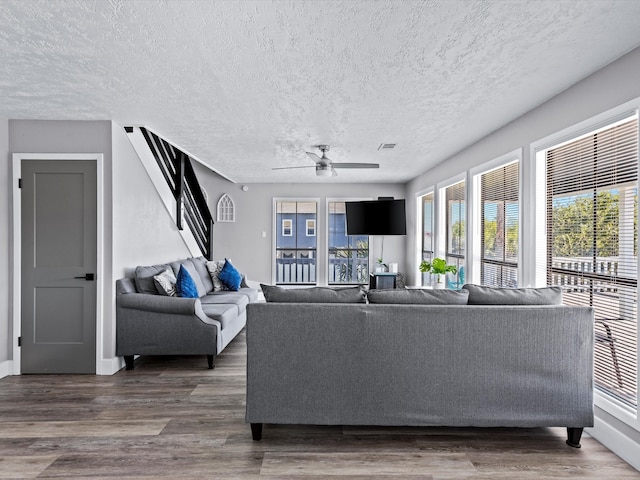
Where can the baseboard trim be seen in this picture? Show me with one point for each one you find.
(616, 441)
(6, 368)
(109, 366)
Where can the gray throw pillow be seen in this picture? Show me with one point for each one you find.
(144, 278)
(479, 295)
(313, 295)
(200, 263)
(419, 296)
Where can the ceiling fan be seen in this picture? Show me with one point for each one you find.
(325, 167)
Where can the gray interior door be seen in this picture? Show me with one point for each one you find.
(59, 251)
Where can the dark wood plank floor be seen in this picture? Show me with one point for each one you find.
(173, 418)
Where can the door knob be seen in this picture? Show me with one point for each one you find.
(88, 276)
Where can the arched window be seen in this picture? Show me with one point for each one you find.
(226, 209)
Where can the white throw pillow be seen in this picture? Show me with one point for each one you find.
(214, 268)
(165, 283)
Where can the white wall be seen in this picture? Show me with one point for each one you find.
(144, 232)
(608, 88)
(5, 254)
(242, 240)
(612, 86)
(44, 136)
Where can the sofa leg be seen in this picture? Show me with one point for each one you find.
(256, 431)
(573, 437)
(210, 362)
(128, 361)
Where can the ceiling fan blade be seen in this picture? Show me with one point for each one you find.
(288, 168)
(315, 158)
(355, 165)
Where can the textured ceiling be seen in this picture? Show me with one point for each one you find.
(250, 85)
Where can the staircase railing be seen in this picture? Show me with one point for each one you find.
(191, 204)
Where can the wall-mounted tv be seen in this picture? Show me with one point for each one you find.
(376, 217)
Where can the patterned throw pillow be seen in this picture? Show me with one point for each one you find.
(185, 285)
(215, 268)
(166, 283)
(230, 277)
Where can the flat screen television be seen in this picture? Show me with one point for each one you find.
(376, 217)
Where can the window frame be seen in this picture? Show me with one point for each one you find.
(294, 225)
(328, 201)
(425, 278)
(289, 228)
(441, 226)
(537, 245)
(474, 249)
(311, 228)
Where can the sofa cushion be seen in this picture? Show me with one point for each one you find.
(419, 296)
(200, 264)
(251, 293)
(240, 300)
(190, 267)
(166, 283)
(144, 278)
(313, 295)
(230, 276)
(480, 295)
(222, 312)
(185, 286)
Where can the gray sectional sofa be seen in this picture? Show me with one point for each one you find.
(150, 322)
(420, 358)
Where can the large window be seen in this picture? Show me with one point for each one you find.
(591, 224)
(499, 225)
(428, 239)
(348, 255)
(295, 248)
(455, 224)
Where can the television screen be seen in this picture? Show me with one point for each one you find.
(376, 217)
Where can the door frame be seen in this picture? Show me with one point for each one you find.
(17, 248)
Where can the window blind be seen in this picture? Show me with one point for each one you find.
(592, 210)
(499, 218)
(456, 220)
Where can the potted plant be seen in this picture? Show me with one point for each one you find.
(437, 267)
(383, 267)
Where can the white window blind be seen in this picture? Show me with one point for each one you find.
(456, 220)
(592, 201)
(499, 212)
(427, 233)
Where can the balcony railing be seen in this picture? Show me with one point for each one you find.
(298, 266)
(609, 284)
(349, 270)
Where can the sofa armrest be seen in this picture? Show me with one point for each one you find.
(159, 303)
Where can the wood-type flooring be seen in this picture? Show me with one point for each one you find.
(172, 418)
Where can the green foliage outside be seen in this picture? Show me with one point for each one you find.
(494, 243)
(573, 226)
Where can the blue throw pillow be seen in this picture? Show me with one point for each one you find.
(230, 277)
(185, 285)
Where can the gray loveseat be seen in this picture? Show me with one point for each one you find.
(419, 364)
(150, 323)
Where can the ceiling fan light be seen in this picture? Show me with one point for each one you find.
(323, 171)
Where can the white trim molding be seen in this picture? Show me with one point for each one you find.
(17, 251)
